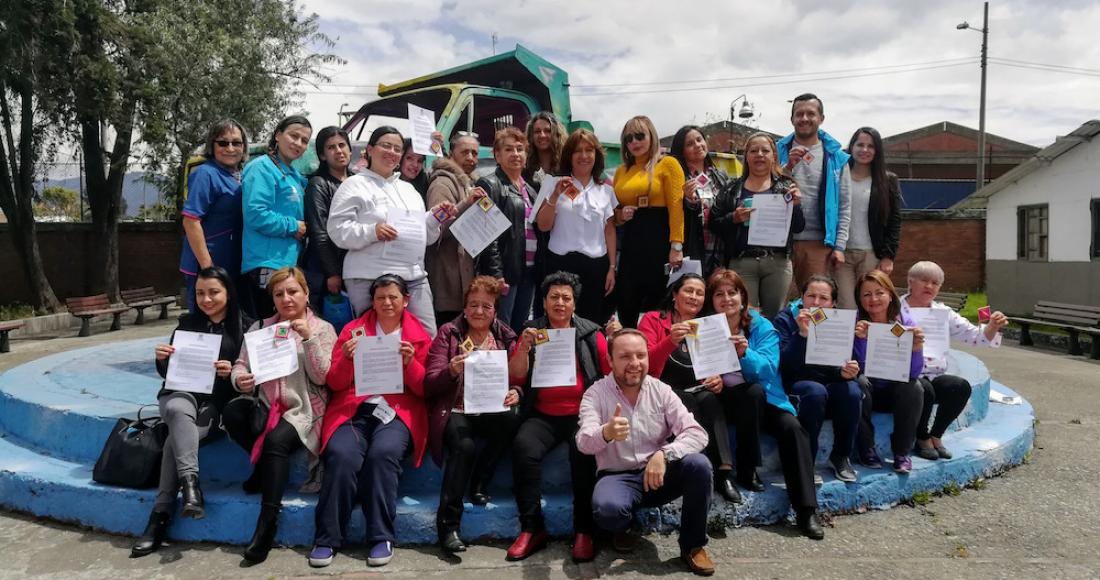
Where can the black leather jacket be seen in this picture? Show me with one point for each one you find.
(735, 236)
(320, 252)
(506, 257)
(885, 237)
(694, 243)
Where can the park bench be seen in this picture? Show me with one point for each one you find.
(954, 300)
(5, 328)
(88, 307)
(1073, 318)
(141, 298)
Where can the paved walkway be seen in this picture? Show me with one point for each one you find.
(1036, 521)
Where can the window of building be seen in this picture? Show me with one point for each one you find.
(1032, 232)
(1095, 249)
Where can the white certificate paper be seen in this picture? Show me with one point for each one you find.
(421, 127)
(771, 222)
(485, 382)
(269, 357)
(411, 236)
(476, 228)
(888, 356)
(830, 342)
(556, 361)
(937, 336)
(712, 353)
(378, 368)
(191, 367)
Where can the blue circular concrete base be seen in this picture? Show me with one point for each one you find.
(55, 414)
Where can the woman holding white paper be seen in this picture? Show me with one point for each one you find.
(365, 438)
(754, 398)
(451, 429)
(364, 219)
(191, 416)
(289, 409)
(550, 418)
(666, 331)
(704, 180)
(951, 392)
(823, 391)
(577, 210)
(766, 270)
(879, 303)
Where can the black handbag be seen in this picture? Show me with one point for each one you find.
(132, 454)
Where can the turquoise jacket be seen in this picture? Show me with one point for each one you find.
(273, 202)
(761, 362)
(835, 161)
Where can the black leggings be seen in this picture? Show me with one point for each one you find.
(463, 463)
(951, 393)
(904, 400)
(280, 443)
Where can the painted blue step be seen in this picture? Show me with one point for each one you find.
(62, 490)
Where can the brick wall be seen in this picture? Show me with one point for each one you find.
(954, 241)
(149, 255)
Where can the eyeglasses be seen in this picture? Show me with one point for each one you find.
(639, 136)
(227, 144)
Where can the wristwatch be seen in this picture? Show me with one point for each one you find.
(677, 247)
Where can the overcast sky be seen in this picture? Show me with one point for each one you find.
(859, 46)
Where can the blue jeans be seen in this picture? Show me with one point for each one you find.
(842, 402)
(362, 463)
(515, 306)
(618, 494)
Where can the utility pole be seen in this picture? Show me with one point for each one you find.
(495, 44)
(981, 108)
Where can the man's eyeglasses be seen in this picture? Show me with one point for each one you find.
(639, 136)
(227, 144)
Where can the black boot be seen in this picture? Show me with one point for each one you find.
(192, 497)
(479, 493)
(723, 484)
(266, 527)
(809, 524)
(252, 484)
(155, 531)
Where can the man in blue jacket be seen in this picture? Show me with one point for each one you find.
(819, 164)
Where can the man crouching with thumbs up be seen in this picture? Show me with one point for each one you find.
(626, 421)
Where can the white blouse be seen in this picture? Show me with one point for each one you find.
(960, 329)
(579, 223)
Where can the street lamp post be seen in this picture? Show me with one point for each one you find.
(981, 107)
(746, 112)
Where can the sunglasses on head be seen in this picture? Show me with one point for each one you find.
(466, 134)
(639, 136)
(226, 144)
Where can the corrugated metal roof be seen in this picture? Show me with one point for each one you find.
(1061, 146)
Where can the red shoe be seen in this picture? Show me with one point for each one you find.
(584, 550)
(526, 544)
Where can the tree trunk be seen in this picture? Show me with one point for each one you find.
(17, 200)
(105, 196)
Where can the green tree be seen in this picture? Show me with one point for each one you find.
(160, 71)
(58, 201)
(34, 35)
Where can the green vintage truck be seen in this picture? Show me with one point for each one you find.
(481, 97)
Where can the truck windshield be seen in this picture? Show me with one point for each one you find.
(395, 111)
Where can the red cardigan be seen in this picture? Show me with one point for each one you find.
(657, 326)
(409, 406)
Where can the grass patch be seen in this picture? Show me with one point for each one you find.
(979, 484)
(974, 301)
(961, 551)
(16, 311)
(922, 498)
(952, 489)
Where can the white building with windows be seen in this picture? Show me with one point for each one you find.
(1042, 233)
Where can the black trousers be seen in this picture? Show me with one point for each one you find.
(904, 400)
(752, 414)
(280, 443)
(707, 410)
(255, 299)
(462, 462)
(951, 393)
(537, 436)
(642, 279)
(592, 273)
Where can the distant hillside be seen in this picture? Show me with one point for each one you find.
(135, 191)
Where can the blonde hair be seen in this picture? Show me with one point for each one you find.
(641, 122)
(282, 274)
(775, 170)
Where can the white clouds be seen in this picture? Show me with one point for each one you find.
(619, 41)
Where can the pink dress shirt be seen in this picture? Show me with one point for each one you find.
(658, 415)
